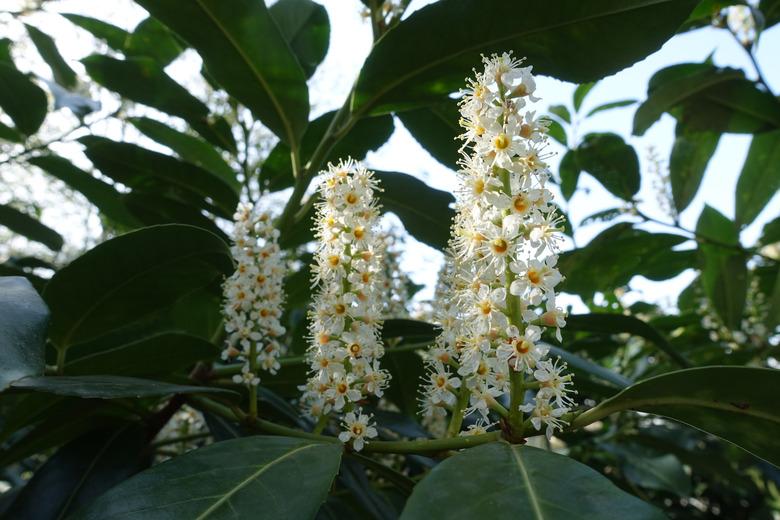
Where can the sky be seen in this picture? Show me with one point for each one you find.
(350, 44)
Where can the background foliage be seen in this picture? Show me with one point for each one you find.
(109, 355)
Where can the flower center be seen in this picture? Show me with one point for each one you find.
(485, 307)
(520, 203)
(501, 142)
(359, 232)
(351, 198)
(354, 349)
(334, 260)
(357, 429)
(342, 388)
(441, 381)
(500, 245)
(534, 277)
(340, 308)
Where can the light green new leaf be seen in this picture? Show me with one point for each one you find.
(580, 93)
(760, 177)
(108, 387)
(723, 268)
(567, 39)
(503, 481)
(691, 153)
(735, 403)
(23, 321)
(611, 105)
(22, 223)
(245, 52)
(131, 276)
(268, 477)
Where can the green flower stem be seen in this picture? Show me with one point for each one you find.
(418, 446)
(61, 360)
(516, 398)
(321, 423)
(456, 421)
(252, 388)
(228, 370)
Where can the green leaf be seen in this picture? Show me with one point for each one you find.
(152, 39)
(708, 98)
(760, 177)
(81, 471)
(735, 403)
(144, 169)
(436, 128)
(556, 131)
(275, 477)
(620, 323)
(611, 105)
(367, 134)
(108, 387)
(153, 209)
(10, 134)
(188, 147)
(502, 481)
(24, 101)
(128, 277)
(724, 273)
(576, 362)
(442, 42)
(142, 80)
(114, 36)
(569, 172)
(691, 153)
(424, 211)
(306, 27)
(771, 232)
(23, 321)
(407, 371)
(580, 92)
(612, 162)
(23, 224)
(61, 71)
(663, 473)
(562, 112)
(158, 353)
(99, 193)
(244, 50)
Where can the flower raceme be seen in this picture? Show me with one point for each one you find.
(253, 296)
(502, 264)
(345, 321)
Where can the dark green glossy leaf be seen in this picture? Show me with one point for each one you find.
(567, 39)
(691, 153)
(24, 101)
(569, 172)
(23, 224)
(141, 79)
(114, 36)
(145, 169)
(513, 481)
(367, 134)
(188, 147)
(612, 162)
(244, 50)
(99, 193)
(152, 209)
(580, 93)
(81, 471)
(735, 403)
(407, 371)
(620, 323)
(576, 362)
(436, 128)
(150, 355)
(10, 134)
(424, 211)
(562, 112)
(611, 105)
(724, 273)
(23, 321)
(662, 472)
(606, 215)
(126, 278)
(771, 232)
(107, 387)
(306, 27)
(61, 71)
(152, 39)
(412, 331)
(276, 477)
(760, 177)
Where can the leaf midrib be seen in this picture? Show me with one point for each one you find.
(528, 484)
(249, 480)
(271, 95)
(367, 105)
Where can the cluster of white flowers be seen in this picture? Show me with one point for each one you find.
(254, 295)
(502, 270)
(346, 318)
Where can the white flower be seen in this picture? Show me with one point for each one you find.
(357, 429)
(543, 413)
